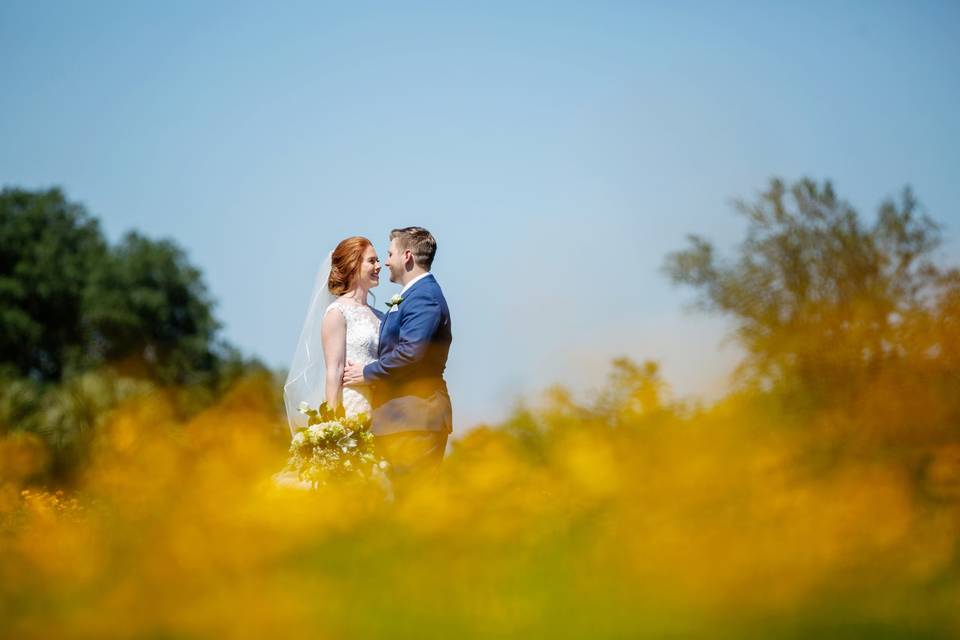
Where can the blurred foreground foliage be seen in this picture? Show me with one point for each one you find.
(791, 508)
(625, 516)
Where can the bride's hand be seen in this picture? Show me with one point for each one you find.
(352, 374)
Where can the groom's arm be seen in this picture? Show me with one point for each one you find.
(418, 325)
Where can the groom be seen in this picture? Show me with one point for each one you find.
(412, 416)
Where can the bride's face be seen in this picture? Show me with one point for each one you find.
(370, 268)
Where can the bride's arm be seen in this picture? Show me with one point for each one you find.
(334, 335)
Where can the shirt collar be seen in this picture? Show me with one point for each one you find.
(413, 282)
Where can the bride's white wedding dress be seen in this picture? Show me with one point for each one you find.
(363, 338)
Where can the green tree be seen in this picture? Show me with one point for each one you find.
(147, 309)
(85, 326)
(825, 304)
(70, 303)
(48, 248)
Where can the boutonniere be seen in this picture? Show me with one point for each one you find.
(394, 301)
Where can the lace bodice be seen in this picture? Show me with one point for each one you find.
(363, 338)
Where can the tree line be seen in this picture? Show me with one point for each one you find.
(85, 323)
(850, 327)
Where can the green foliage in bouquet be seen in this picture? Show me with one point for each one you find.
(334, 448)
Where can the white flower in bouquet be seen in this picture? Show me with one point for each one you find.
(334, 447)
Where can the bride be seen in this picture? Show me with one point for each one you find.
(340, 326)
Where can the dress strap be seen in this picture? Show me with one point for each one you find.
(338, 306)
(348, 311)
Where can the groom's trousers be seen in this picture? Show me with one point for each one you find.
(414, 456)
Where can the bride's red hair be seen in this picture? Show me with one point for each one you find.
(345, 264)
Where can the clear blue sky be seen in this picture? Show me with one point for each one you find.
(557, 151)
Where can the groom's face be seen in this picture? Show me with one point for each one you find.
(395, 262)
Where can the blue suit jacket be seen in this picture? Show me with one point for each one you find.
(409, 392)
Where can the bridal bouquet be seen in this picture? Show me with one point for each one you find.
(334, 447)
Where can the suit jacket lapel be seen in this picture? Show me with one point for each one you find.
(383, 324)
(380, 336)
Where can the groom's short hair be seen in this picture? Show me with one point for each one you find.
(419, 241)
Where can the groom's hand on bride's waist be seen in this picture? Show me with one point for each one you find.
(352, 374)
